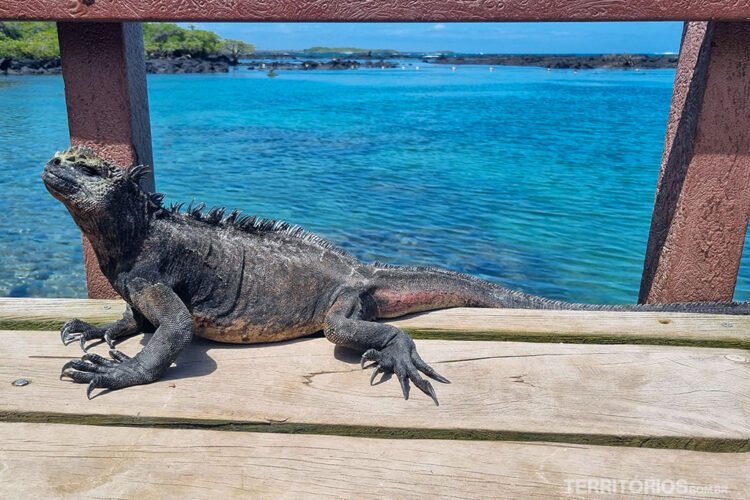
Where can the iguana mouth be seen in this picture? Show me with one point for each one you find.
(57, 184)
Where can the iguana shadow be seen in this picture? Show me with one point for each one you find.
(196, 361)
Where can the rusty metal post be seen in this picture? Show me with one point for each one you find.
(703, 195)
(105, 90)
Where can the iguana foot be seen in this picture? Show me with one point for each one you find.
(400, 357)
(75, 329)
(116, 373)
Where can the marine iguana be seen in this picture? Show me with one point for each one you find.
(240, 279)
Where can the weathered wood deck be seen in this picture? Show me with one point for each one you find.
(545, 400)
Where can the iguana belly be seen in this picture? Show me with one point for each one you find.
(245, 332)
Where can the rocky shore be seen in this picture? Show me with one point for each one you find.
(312, 64)
(10, 66)
(211, 64)
(617, 61)
(222, 63)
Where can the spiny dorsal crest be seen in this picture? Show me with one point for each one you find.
(250, 224)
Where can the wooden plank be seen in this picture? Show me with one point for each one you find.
(702, 202)
(461, 323)
(374, 10)
(104, 70)
(676, 397)
(580, 326)
(62, 461)
(51, 314)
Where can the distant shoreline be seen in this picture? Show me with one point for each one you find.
(174, 65)
(612, 61)
(296, 61)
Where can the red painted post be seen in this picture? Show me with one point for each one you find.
(105, 90)
(703, 196)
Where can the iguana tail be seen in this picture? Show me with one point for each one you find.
(405, 290)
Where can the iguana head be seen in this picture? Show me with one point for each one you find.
(94, 190)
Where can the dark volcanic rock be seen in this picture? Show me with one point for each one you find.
(617, 61)
(213, 64)
(312, 63)
(30, 66)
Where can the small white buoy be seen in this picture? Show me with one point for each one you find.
(263, 65)
(453, 68)
(417, 68)
(492, 69)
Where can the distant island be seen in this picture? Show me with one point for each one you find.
(350, 51)
(31, 48)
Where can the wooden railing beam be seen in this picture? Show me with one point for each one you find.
(376, 10)
(703, 195)
(105, 91)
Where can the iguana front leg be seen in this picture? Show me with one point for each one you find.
(161, 306)
(76, 329)
(348, 323)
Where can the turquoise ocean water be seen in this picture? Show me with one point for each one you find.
(540, 180)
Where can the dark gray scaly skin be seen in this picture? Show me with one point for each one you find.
(239, 279)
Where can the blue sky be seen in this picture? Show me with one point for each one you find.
(634, 37)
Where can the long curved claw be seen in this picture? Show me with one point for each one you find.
(404, 381)
(400, 357)
(97, 360)
(65, 367)
(100, 372)
(427, 369)
(430, 391)
(90, 389)
(423, 385)
(109, 340)
(118, 355)
(68, 338)
(369, 355)
(375, 373)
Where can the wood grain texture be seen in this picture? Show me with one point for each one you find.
(580, 326)
(486, 324)
(71, 461)
(30, 313)
(560, 390)
(702, 203)
(105, 92)
(374, 10)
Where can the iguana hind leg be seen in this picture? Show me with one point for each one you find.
(348, 323)
(161, 306)
(76, 329)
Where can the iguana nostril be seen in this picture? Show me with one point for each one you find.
(56, 161)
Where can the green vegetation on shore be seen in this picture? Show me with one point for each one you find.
(38, 40)
(170, 40)
(28, 40)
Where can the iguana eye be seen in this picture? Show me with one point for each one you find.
(89, 170)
